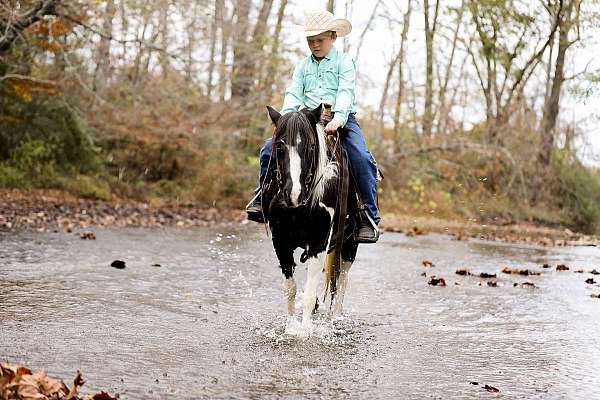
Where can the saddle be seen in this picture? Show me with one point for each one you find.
(360, 209)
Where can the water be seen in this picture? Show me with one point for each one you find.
(209, 322)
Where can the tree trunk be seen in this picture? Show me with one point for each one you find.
(191, 45)
(103, 68)
(400, 97)
(225, 36)
(551, 107)
(241, 76)
(217, 21)
(330, 5)
(443, 109)
(259, 39)
(430, 27)
(164, 37)
(273, 61)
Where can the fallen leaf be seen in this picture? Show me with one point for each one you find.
(103, 396)
(462, 272)
(415, 231)
(562, 267)
(427, 263)
(491, 389)
(517, 271)
(595, 295)
(77, 381)
(486, 275)
(23, 371)
(87, 235)
(546, 266)
(435, 281)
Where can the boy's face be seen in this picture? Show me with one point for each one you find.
(321, 44)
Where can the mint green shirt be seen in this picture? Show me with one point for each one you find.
(330, 81)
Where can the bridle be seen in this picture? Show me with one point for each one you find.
(310, 182)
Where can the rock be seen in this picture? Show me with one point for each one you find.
(590, 281)
(562, 267)
(118, 264)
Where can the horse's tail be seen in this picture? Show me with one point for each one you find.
(333, 264)
(330, 277)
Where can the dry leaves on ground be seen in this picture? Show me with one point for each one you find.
(517, 271)
(19, 383)
(435, 281)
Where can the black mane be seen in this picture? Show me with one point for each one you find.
(291, 124)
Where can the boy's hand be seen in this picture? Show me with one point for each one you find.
(332, 126)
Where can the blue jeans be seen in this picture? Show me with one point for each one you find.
(362, 163)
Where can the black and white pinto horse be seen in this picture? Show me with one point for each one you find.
(307, 204)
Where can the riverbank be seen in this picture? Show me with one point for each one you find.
(53, 210)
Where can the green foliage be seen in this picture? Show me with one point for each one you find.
(579, 191)
(10, 177)
(27, 122)
(35, 159)
(87, 187)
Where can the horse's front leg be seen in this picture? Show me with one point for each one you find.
(289, 288)
(285, 254)
(309, 298)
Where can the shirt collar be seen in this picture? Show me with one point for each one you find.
(329, 56)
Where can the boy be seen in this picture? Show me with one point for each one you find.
(328, 76)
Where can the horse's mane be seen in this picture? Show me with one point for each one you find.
(294, 123)
(291, 124)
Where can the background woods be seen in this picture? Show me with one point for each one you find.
(164, 100)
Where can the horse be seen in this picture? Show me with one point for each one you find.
(307, 203)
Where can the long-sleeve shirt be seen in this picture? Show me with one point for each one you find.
(331, 80)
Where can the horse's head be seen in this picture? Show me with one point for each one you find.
(295, 153)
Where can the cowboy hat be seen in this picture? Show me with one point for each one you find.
(322, 21)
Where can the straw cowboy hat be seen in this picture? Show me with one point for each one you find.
(323, 21)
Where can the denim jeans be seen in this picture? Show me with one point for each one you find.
(362, 164)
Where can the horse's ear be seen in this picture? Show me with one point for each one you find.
(316, 113)
(273, 114)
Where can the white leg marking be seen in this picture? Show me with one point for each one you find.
(289, 291)
(309, 297)
(341, 289)
(295, 170)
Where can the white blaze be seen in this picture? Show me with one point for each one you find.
(295, 170)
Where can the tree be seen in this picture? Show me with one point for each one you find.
(430, 29)
(567, 21)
